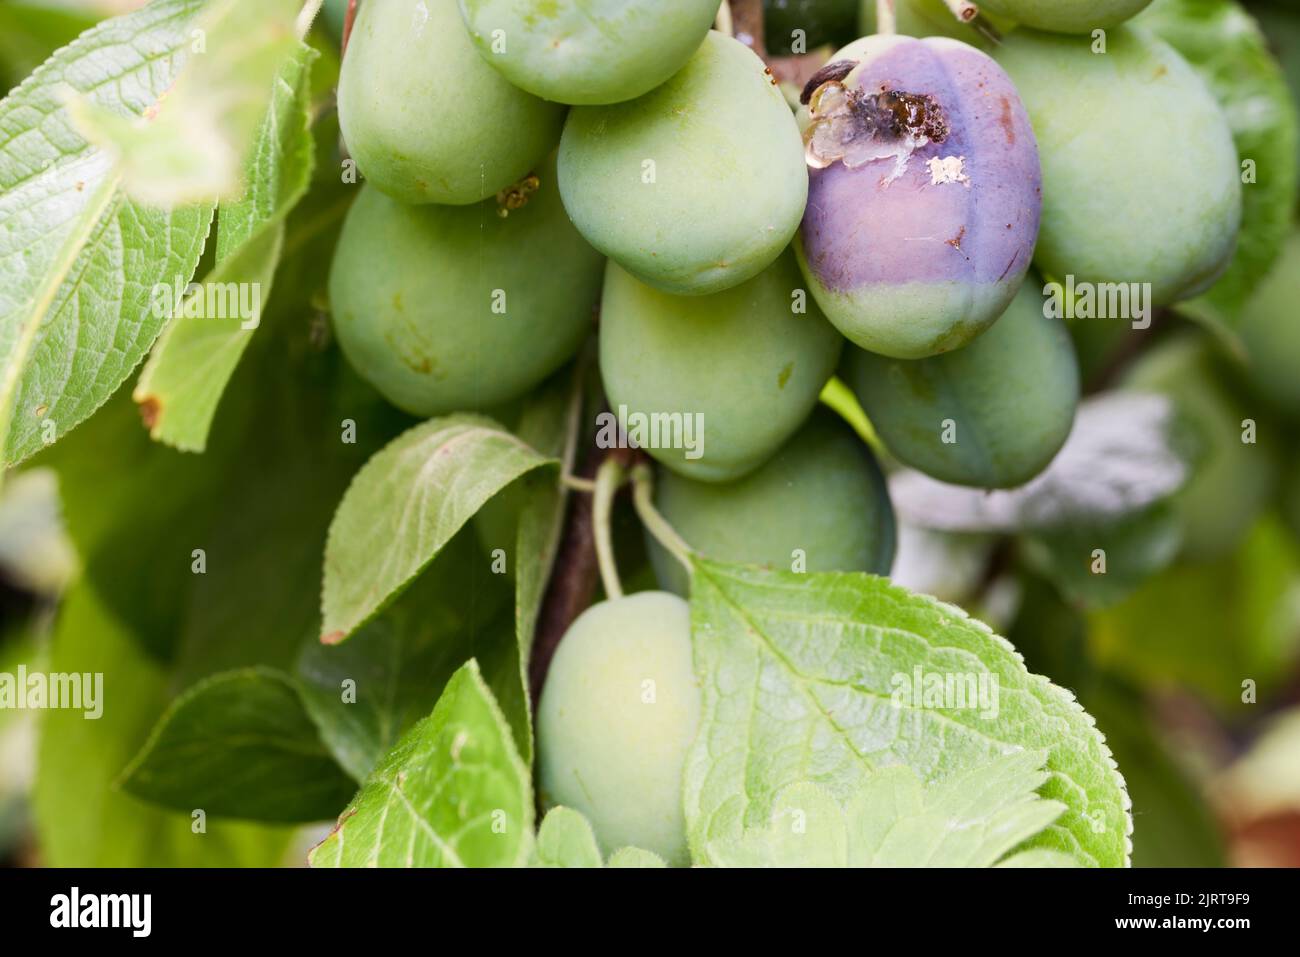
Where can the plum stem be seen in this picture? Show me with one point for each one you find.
(723, 22)
(963, 10)
(886, 19)
(652, 518)
(576, 483)
(307, 16)
(609, 477)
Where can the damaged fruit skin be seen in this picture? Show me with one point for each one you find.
(439, 324)
(696, 186)
(588, 51)
(617, 715)
(1006, 401)
(917, 258)
(1067, 16)
(1140, 175)
(822, 494)
(408, 122)
(743, 363)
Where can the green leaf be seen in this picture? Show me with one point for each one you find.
(453, 793)
(405, 505)
(78, 260)
(1227, 48)
(550, 424)
(81, 820)
(30, 32)
(197, 353)
(1126, 452)
(367, 692)
(971, 819)
(810, 678)
(635, 857)
(191, 147)
(1211, 626)
(258, 504)
(565, 839)
(240, 744)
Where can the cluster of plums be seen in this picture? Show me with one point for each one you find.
(528, 161)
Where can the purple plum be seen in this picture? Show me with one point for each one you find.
(925, 193)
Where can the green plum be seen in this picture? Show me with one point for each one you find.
(1067, 16)
(730, 376)
(696, 186)
(588, 51)
(426, 120)
(450, 308)
(818, 505)
(1140, 177)
(1234, 478)
(619, 710)
(1270, 330)
(992, 414)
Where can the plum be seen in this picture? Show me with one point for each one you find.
(991, 415)
(742, 368)
(1067, 16)
(426, 120)
(822, 494)
(1271, 333)
(588, 51)
(618, 712)
(449, 308)
(1140, 178)
(696, 186)
(924, 200)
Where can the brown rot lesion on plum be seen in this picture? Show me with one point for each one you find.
(857, 126)
(517, 195)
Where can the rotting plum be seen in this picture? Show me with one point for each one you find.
(426, 120)
(991, 415)
(742, 367)
(822, 497)
(588, 51)
(1067, 16)
(695, 186)
(618, 712)
(1140, 178)
(1234, 478)
(924, 200)
(449, 308)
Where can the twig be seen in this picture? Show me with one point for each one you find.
(349, 19)
(747, 24)
(609, 477)
(886, 18)
(575, 571)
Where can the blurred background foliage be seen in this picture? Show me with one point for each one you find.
(1191, 666)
